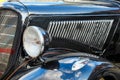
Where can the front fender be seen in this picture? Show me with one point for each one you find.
(70, 68)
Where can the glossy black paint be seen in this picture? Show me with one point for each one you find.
(99, 8)
(83, 8)
(80, 8)
(62, 8)
(63, 68)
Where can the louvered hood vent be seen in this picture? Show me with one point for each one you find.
(93, 33)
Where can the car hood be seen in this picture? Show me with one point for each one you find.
(82, 7)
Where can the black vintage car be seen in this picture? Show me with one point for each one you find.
(60, 40)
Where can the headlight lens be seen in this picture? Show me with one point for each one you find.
(33, 40)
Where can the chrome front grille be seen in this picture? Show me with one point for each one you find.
(93, 33)
(8, 24)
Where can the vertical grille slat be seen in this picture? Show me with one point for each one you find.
(86, 32)
(63, 29)
(59, 29)
(75, 25)
(89, 32)
(79, 31)
(65, 34)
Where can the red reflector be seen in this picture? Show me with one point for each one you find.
(6, 50)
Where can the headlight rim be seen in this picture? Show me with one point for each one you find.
(41, 36)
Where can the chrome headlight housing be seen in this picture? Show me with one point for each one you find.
(34, 40)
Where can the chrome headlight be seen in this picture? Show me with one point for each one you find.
(34, 40)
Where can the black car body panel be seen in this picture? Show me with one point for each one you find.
(80, 8)
(61, 14)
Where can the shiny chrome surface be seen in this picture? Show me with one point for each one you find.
(8, 24)
(35, 39)
(89, 32)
